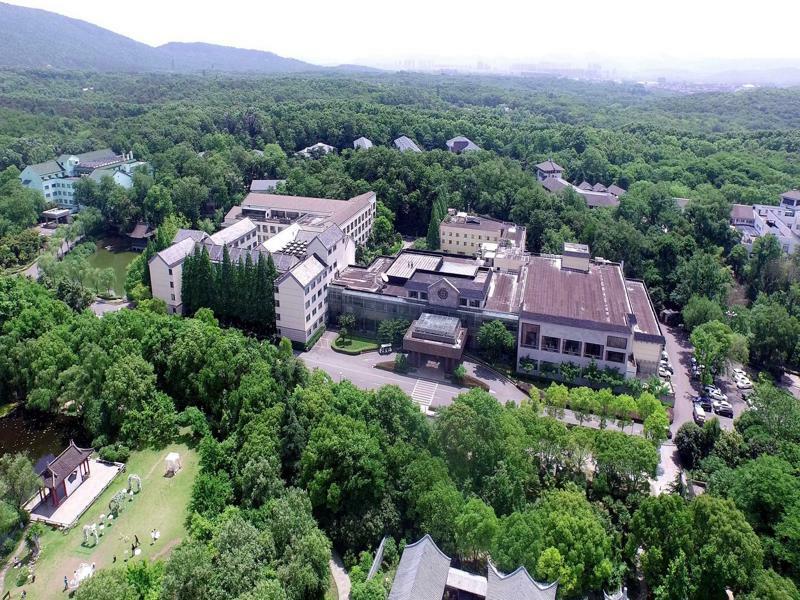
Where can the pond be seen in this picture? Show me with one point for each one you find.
(113, 252)
(38, 435)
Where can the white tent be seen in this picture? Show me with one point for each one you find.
(172, 463)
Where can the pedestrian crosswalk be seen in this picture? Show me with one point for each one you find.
(424, 392)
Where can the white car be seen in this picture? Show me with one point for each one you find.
(663, 372)
(715, 393)
(743, 383)
(737, 373)
(723, 408)
(664, 355)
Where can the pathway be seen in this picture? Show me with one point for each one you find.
(18, 551)
(340, 576)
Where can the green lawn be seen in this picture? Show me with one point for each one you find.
(354, 344)
(160, 505)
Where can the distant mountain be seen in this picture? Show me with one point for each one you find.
(202, 57)
(33, 38)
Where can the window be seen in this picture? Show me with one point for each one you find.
(530, 335)
(572, 347)
(171, 284)
(423, 295)
(278, 318)
(413, 295)
(462, 301)
(475, 303)
(173, 296)
(170, 271)
(614, 341)
(593, 350)
(617, 357)
(551, 344)
(277, 303)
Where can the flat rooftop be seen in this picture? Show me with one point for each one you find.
(571, 297)
(647, 327)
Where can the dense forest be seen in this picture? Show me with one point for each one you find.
(294, 464)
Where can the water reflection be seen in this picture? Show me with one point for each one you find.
(37, 434)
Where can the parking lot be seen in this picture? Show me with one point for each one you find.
(680, 351)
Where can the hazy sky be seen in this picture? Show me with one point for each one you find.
(499, 31)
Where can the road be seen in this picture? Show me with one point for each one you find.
(679, 350)
(427, 386)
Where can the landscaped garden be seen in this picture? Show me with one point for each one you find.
(160, 505)
(354, 344)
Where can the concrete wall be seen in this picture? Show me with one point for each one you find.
(359, 226)
(301, 312)
(564, 332)
(461, 240)
(165, 285)
(647, 355)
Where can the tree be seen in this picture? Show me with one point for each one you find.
(656, 426)
(726, 551)
(17, 477)
(495, 341)
(624, 407)
(582, 402)
(662, 529)
(107, 584)
(563, 520)
(555, 400)
(773, 334)
(771, 586)
(459, 373)
(438, 213)
(475, 529)
(701, 275)
(347, 322)
(700, 310)
(189, 572)
(714, 344)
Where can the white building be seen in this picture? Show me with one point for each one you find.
(273, 213)
(782, 221)
(318, 149)
(309, 250)
(55, 179)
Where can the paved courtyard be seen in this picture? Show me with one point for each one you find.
(77, 502)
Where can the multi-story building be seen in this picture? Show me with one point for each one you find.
(273, 213)
(309, 252)
(758, 220)
(561, 308)
(578, 310)
(461, 233)
(549, 170)
(56, 178)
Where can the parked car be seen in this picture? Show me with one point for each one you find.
(705, 402)
(743, 383)
(693, 361)
(714, 393)
(737, 372)
(747, 397)
(723, 408)
(664, 355)
(666, 365)
(698, 414)
(385, 349)
(664, 372)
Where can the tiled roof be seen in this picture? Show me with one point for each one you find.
(265, 185)
(598, 199)
(585, 185)
(461, 144)
(64, 464)
(596, 299)
(554, 184)
(404, 143)
(742, 212)
(599, 187)
(194, 234)
(177, 252)
(362, 143)
(616, 190)
(549, 166)
(233, 232)
(141, 231)
(307, 270)
(330, 236)
(340, 211)
(422, 572)
(46, 168)
(518, 585)
(791, 195)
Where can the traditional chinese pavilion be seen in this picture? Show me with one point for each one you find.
(64, 474)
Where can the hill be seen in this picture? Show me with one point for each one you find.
(33, 38)
(201, 57)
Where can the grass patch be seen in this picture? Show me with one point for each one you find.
(354, 344)
(160, 505)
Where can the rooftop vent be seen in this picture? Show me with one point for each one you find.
(575, 257)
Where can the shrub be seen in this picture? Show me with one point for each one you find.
(115, 453)
(459, 373)
(401, 363)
